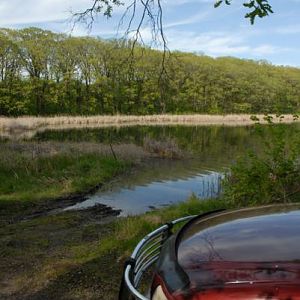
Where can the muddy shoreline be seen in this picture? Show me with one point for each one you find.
(53, 206)
(49, 206)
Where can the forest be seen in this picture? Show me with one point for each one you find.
(45, 73)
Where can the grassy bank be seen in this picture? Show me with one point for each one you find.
(38, 181)
(130, 230)
(60, 175)
(33, 123)
(74, 255)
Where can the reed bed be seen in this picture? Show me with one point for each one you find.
(32, 150)
(34, 123)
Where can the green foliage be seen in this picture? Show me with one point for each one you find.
(270, 177)
(43, 73)
(30, 179)
(258, 8)
(104, 7)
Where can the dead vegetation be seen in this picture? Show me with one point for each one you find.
(34, 123)
(46, 149)
(164, 149)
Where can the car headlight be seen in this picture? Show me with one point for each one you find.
(159, 294)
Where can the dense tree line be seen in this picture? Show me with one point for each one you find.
(44, 73)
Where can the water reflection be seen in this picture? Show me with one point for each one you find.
(250, 246)
(210, 150)
(243, 237)
(140, 198)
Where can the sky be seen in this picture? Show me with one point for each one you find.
(189, 25)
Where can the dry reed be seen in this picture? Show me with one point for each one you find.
(34, 123)
(32, 150)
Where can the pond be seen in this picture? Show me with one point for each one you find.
(210, 151)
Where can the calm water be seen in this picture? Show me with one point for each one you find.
(211, 150)
(163, 183)
(141, 193)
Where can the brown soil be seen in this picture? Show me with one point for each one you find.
(55, 257)
(44, 255)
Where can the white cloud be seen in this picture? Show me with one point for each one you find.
(32, 11)
(219, 44)
(293, 29)
(212, 42)
(13, 12)
(264, 50)
(82, 30)
(183, 26)
(187, 21)
(182, 2)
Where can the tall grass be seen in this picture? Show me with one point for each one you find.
(25, 178)
(32, 123)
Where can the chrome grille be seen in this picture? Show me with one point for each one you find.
(145, 254)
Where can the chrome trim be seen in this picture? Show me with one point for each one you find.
(149, 263)
(145, 254)
(156, 243)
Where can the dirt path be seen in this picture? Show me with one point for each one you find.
(44, 255)
(56, 257)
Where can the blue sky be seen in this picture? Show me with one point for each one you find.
(190, 25)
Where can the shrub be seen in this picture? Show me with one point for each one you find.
(270, 177)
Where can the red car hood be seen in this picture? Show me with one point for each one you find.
(245, 254)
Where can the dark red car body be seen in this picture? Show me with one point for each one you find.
(246, 254)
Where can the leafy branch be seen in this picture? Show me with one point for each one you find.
(258, 8)
(104, 7)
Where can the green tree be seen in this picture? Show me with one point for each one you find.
(46, 73)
